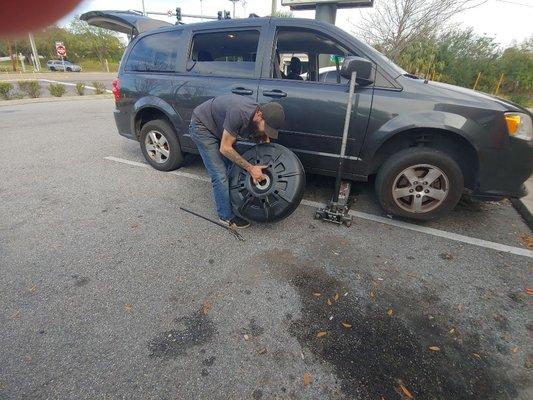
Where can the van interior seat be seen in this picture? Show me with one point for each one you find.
(295, 69)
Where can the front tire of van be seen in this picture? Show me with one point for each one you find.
(160, 145)
(419, 183)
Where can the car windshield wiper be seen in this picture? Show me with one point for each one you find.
(411, 76)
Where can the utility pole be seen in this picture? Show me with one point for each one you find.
(13, 62)
(274, 7)
(36, 61)
(328, 13)
(144, 10)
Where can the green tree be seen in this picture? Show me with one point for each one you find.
(96, 43)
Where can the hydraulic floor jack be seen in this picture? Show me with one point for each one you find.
(337, 210)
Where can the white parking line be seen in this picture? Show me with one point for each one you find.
(375, 218)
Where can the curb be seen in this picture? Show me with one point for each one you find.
(4, 103)
(524, 212)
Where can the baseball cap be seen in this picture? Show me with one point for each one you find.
(274, 117)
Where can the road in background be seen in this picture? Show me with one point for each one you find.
(107, 290)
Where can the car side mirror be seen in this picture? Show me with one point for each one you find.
(362, 66)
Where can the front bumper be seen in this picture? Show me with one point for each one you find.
(502, 172)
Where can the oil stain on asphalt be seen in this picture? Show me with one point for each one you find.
(378, 354)
(193, 330)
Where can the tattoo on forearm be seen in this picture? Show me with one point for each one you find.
(237, 158)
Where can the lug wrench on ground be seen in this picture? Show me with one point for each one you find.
(236, 234)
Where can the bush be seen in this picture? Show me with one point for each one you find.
(57, 89)
(5, 90)
(80, 88)
(17, 96)
(31, 88)
(521, 98)
(99, 87)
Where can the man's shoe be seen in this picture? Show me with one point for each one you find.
(239, 223)
(236, 223)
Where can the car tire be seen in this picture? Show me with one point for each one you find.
(402, 190)
(69, 69)
(279, 195)
(52, 69)
(160, 145)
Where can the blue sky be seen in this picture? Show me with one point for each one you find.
(505, 20)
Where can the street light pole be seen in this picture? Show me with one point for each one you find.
(274, 6)
(144, 10)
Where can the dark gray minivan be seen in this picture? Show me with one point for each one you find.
(424, 141)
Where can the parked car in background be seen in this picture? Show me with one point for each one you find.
(57, 65)
(422, 142)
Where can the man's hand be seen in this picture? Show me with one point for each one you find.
(256, 172)
(227, 150)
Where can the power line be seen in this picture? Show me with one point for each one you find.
(515, 3)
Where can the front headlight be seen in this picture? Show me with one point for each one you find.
(519, 125)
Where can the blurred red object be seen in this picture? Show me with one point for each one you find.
(20, 17)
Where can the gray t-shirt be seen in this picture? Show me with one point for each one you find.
(231, 112)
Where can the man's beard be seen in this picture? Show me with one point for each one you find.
(253, 128)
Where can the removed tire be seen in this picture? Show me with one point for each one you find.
(277, 196)
(419, 183)
(160, 145)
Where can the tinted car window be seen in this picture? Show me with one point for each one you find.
(331, 77)
(154, 53)
(224, 53)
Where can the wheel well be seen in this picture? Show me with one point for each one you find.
(148, 114)
(459, 148)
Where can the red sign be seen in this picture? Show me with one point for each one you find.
(61, 50)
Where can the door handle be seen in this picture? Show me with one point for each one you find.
(274, 93)
(243, 91)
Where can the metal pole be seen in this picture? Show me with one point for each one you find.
(477, 80)
(144, 10)
(499, 84)
(274, 7)
(326, 13)
(37, 62)
(234, 11)
(344, 138)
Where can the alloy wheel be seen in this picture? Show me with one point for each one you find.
(157, 147)
(420, 188)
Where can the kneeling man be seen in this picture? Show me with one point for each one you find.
(215, 126)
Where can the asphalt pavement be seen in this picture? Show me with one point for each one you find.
(108, 291)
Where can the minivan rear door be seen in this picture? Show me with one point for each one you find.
(129, 22)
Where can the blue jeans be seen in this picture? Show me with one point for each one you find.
(217, 166)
